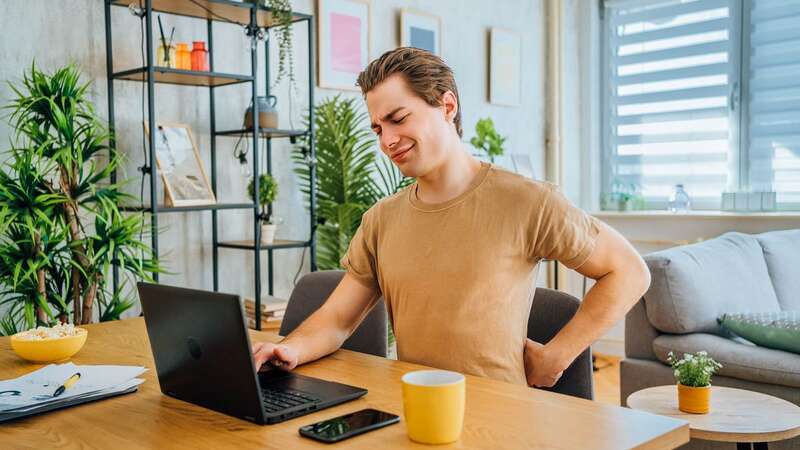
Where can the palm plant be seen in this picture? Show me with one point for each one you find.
(346, 166)
(61, 231)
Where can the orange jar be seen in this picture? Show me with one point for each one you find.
(183, 57)
(199, 56)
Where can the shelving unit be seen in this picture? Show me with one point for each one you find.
(223, 11)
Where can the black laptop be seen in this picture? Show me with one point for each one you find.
(203, 356)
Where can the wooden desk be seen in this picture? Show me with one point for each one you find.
(498, 415)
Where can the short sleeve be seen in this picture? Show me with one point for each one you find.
(561, 231)
(360, 261)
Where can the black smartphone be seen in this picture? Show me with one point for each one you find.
(348, 425)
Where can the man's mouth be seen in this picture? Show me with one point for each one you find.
(400, 154)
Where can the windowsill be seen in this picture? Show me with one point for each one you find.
(708, 214)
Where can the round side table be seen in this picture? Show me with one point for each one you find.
(750, 419)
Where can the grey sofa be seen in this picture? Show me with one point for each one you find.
(691, 286)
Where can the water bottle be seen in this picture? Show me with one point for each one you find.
(679, 200)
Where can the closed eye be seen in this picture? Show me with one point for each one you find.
(401, 120)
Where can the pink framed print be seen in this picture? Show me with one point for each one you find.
(343, 36)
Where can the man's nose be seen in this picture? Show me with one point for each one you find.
(389, 140)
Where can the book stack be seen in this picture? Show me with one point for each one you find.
(272, 310)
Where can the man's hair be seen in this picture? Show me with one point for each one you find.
(426, 74)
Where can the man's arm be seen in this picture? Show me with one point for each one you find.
(621, 278)
(325, 330)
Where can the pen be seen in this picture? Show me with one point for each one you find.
(67, 384)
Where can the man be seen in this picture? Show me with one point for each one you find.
(455, 254)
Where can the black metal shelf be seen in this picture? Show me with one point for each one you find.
(217, 10)
(209, 207)
(166, 75)
(264, 133)
(275, 245)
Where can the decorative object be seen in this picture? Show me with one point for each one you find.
(180, 166)
(421, 30)
(623, 197)
(505, 62)
(267, 113)
(487, 139)
(344, 42)
(282, 15)
(60, 227)
(693, 373)
(345, 167)
(267, 191)
(183, 57)
(777, 329)
(679, 201)
(199, 56)
(166, 52)
(51, 349)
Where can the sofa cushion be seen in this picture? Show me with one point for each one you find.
(742, 361)
(782, 254)
(693, 285)
(779, 330)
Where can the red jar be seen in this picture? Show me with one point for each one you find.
(199, 56)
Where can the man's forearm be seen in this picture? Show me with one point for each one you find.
(604, 305)
(317, 336)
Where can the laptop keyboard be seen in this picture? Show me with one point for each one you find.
(275, 400)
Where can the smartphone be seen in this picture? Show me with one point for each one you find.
(348, 425)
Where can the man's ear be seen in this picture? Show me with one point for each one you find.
(450, 105)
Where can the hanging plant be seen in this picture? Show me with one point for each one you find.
(282, 15)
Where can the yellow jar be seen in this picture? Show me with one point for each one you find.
(165, 56)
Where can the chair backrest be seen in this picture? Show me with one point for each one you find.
(312, 290)
(550, 312)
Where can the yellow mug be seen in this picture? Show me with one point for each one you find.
(433, 402)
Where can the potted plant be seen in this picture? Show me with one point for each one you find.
(267, 191)
(623, 197)
(693, 373)
(487, 139)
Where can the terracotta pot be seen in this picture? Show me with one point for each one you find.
(694, 400)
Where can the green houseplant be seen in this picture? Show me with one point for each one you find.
(282, 14)
(623, 197)
(487, 139)
(693, 373)
(61, 231)
(267, 191)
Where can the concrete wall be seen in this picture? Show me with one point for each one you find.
(55, 33)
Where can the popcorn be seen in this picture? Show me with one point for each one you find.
(41, 333)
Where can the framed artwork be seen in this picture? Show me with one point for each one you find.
(505, 61)
(421, 30)
(180, 167)
(343, 38)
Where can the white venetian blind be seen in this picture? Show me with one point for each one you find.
(774, 98)
(670, 73)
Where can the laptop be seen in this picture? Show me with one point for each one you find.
(203, 356)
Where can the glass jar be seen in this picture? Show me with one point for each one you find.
(183, 57)
(199, 56)
(679, 200)
(165, 56)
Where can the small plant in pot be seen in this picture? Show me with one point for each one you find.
(693, 373)
(267, 191)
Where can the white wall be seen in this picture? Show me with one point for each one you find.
(54, 33)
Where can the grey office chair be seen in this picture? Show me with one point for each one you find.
(311, 292)
(550, 312)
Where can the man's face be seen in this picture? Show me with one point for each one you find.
(411, 132)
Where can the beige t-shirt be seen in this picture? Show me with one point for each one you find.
(458, 277)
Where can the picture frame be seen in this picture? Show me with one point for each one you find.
(421, 30)
(180, 166)
(343, 41)
(505, 67)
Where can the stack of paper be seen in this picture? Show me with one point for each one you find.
(35, 390)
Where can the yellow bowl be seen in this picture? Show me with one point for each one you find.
(49, 350)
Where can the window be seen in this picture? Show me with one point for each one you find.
(685, 104)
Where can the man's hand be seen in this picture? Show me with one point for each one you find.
(279, 355)
(541, 369)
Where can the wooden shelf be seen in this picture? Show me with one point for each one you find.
(210, 207)
(264, 132)
(276, 244)
(218, 10)
(166, 75)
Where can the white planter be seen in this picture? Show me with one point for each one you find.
(268, 232)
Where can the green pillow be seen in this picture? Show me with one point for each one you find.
(779, 330)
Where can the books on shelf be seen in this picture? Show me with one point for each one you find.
(272, 311)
